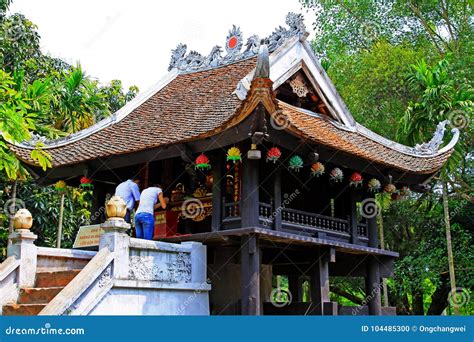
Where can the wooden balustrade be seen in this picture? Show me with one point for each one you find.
(298, 219)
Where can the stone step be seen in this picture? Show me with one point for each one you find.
(38, 295)
(22, 309)
(55, 279)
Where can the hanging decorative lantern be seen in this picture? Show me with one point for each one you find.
(254, 153)
(404, 191)
(60, 186)
(374, 185)
(234, 154)
(273, 154)
(336, 175)
(390, 188)
(356, 180)
(86, 183)
(202, 162)
(295, 163)
(317, 169)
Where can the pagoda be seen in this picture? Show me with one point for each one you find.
(263, 163)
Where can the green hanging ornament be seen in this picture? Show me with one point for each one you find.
(295, 163)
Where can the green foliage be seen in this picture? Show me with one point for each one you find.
(401, 67)
(18, 110)
(115, 95)
(44, 95)
(78, 102)
(415, 228)
(19, 42)
(43, 202)
(346, 27)
(373, 84)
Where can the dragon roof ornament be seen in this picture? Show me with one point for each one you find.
(194, 61)
(433, 145)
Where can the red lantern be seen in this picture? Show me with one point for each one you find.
(356, 179)
(202, 162)
(273, 154)
(85, 182)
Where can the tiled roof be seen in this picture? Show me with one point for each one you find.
(325, 132)
(190, 105)
(195, 104)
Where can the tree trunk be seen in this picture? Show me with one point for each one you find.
(418, 308)
(353, 298)
(439, 299)
(447, 224)
(11, 210)
(60, 224)
(403, 307)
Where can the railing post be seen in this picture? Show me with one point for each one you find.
(115, 237)
(198, 262)
(22, 247)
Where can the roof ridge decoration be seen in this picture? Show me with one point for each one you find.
(426, 149)
(194, 61)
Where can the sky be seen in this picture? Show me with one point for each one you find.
(132, 40)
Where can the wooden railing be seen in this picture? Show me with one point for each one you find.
(297, 220)
(299, 217)
(231, 210)
(265, 210)
(362, 229)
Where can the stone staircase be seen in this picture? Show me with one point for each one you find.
(33, 299)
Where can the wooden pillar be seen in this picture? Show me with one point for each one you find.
(250, 259)
(218, 191)
(353, 216)
(372, 286)
(372, 230)
(277, 200)
(320, 282)
(295, 288)
(250, 197)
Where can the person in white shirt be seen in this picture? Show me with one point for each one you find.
(130, 192)
(144, 216)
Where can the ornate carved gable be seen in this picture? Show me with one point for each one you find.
(298, 90)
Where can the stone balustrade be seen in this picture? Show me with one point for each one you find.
(126, 276)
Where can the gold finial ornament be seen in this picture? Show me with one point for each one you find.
(23, 219)
(116, 208)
